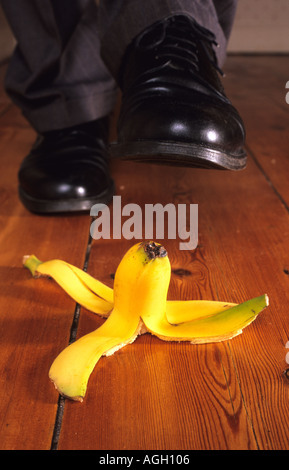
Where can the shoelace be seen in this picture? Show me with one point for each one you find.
(176, 40)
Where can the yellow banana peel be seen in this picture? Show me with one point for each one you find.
(80, 286)
(137, 304)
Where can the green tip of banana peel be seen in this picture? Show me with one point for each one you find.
(219, 326)
(137, 304)
(31, 262)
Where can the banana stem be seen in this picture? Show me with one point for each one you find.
(31, 262)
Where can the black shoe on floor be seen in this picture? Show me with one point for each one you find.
(174, 109)
(67, 170)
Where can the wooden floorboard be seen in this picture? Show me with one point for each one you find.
(34, 320)
(153, 394)
(261, 99)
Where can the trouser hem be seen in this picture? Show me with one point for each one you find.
(71, 112)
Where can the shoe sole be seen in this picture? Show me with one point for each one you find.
(178, 154)
(42, 206)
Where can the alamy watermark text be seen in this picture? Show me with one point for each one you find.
(155, 221)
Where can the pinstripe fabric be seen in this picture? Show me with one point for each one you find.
(123, 20)
(68, 51)
(58, 80)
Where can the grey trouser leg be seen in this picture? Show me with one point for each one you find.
(56, 75)
(122, 20)
(68, 51)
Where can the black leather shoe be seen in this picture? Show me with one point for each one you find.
(174, 109)
(67, 170)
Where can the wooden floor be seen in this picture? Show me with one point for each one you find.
(152, 394)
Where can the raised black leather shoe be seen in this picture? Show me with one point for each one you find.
(67, 170)
(174, 108)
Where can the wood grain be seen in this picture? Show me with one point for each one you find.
(211, 382)
(35, 317)
(224, 396)
(153, 394)
(261, 101)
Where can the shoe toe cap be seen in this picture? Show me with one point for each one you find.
(206, 122)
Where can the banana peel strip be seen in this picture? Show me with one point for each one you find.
(221, 325)
(98, 297)
(72, 367)
(195, 321)
(80, 286)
